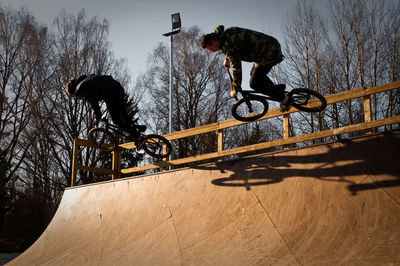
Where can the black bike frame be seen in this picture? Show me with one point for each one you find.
(114, 129)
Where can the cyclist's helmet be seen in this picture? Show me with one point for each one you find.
(70, 87)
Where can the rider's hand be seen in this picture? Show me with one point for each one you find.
(233, 93)
(227, 63)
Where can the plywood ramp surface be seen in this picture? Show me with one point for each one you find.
(332, 204)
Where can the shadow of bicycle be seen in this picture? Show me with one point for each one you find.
(350, 161)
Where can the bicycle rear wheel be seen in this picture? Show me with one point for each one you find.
(102, 139)
(154, 145)
(250, 108)
(307, 100)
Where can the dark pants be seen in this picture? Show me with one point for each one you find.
(260, 82)
(117, 108)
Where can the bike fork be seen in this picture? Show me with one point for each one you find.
(304, 98)
(139, 145)
(249, 105)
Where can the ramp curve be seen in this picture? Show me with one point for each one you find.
(331, 204)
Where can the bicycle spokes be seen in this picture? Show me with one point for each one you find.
(301, 98)
(248, 109)
(154, 145)
(307, 100)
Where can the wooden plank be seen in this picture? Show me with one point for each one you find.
(382, 88)
(220, 126)
(127, 146)
(286, 128)
(220, 140)
(367, 108)
(338, 97)
(74, 162)
(85, 143)
(360, 92)
(116, 164)
(264, 145)
(367, 111)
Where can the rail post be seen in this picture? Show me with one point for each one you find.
(116, 163)
(74, 162)
(220, 142)
(286, 129)
(367, 110)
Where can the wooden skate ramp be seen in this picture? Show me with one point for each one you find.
(332, 204)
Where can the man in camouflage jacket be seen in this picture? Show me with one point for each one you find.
(239, 45)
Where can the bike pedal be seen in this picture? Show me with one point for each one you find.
(139, 142)
(286, 103)
(286, 107)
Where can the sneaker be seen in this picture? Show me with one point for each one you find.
(281, 87)
(133, 136)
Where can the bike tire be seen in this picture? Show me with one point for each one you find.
(302, 96)
(242, 112)
(102, 139)
(153, 145)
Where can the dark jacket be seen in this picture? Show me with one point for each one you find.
(240, 44)
(96, 88)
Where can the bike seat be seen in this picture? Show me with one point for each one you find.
(141, 128)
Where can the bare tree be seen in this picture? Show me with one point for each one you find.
(355, 49)
(361, 28)
(305, 45)
(369, 40)
(37, 120)
(14, 105)
(343, 14)
(82, 48)
(200, 89)
(24, 60)
(392, 53)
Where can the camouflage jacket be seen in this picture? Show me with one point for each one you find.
(240, 44)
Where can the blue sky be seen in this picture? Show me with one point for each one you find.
(136, 26)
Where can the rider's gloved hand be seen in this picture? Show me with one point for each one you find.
(235, 89)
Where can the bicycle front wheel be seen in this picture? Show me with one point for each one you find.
(250, 108)
(307, 100)
(102, 139)
(157, 146)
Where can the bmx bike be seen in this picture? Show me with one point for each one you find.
(107, 136)
(254, 105)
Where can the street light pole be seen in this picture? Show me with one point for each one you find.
(176, 28)
(171, 62)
